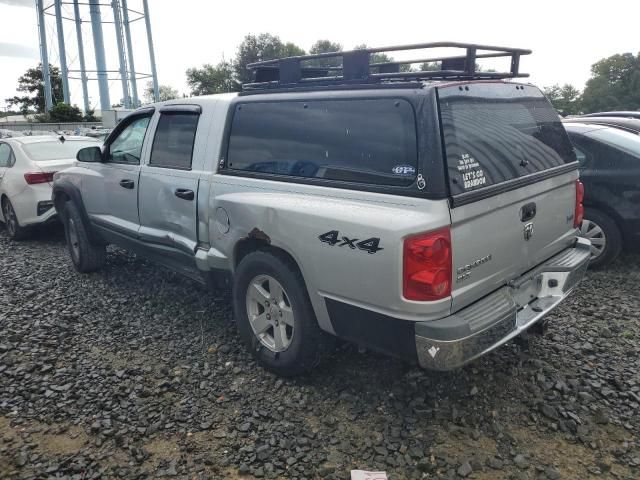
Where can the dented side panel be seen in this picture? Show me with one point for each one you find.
(331, 234)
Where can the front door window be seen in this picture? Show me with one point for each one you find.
(127, 146)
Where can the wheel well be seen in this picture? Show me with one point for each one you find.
(59, 199)
(252, 244)
(613, 215)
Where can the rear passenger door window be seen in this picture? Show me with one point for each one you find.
(368, 141)
(173, 141)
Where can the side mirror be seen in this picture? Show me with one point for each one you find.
(89, 154)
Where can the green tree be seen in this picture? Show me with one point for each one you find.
(325, 46)
(6, 113)
(212, 79)
(565, 99)
(614, 84)
(61, 112)
(32, 84)
(90, 116)
(256, 48)
(292, 50)
(165, 91)
(382, 58)
(429, 66)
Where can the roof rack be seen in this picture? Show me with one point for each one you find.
(355, 67)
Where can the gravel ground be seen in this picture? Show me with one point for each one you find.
(135, 372)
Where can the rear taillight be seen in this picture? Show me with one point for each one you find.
(579, 213)
(33, 178)
(427, 266)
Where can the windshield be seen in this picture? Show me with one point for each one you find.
(55, 149)
(626, 141)
(494, 133)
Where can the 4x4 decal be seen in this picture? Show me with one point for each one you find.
(370, 245)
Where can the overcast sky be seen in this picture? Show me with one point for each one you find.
(566, 36)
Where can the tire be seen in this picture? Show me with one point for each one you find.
(86, 256)
(290, 317)
(11, 222)
(605, 236)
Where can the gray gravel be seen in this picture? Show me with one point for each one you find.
(135, 372)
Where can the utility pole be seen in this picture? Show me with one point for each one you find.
(101, 64)
(123, 63)
(132, 66)
(83, 71)
(152, 57)
(44, 59)
(62, 53)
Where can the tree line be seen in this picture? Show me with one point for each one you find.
(229, 75)
(614, 82)
(614, 85)
(31, 102)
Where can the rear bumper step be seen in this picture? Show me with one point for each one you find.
(497, 318)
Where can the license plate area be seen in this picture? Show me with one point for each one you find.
(527, 292)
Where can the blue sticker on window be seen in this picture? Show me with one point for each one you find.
(404, 170)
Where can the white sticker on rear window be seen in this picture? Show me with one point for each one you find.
(467, 162)
(472, 174)
(404, 170)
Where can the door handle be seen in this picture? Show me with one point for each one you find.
(127, 184)
(184, 193)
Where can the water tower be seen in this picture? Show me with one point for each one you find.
(117, 19)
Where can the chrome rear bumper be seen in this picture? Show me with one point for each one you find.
(497, 318)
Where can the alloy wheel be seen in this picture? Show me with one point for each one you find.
(10, 219)
(270, 313)
(595, 234)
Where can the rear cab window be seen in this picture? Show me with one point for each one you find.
(497, 132)
(367, 141)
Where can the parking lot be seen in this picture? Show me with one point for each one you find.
(136, 372)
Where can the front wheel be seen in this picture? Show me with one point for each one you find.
(86, 256)
(15, 231)
(604, 235)
(274, 314)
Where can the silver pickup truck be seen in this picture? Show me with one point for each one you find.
(428, 215)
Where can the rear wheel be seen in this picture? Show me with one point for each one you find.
(604, 235)
(274, 314)
(86, 256)
(11, 222)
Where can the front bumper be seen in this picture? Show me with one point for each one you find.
(497, 318)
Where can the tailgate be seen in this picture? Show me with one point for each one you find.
(512, 175)
(492, 246)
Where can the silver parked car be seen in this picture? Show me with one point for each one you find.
(431, 220)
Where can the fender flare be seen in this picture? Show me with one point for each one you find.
(63, 188)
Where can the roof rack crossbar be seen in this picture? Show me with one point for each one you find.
(438, 59)
(355, 66)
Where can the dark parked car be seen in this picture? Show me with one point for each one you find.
(629, 124)
(610, 171)
(614, 114)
